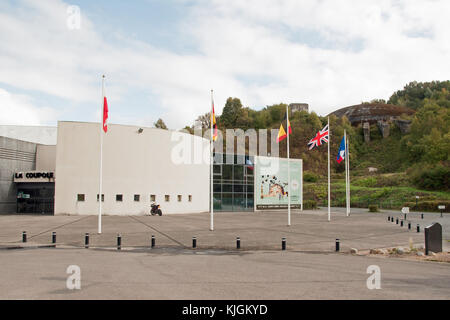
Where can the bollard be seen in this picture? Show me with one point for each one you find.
(401, 223)
(153, 241)
(86, 240)
(392, 219)
(24, 236)
(389, 218)
(194, 242)
(396, 221)
(119, 241)
(418, 228)
(53, 237)
(337, 245)
(238, 243)
(283, 243)
(421, 215)
(405, 217)
(409, 225)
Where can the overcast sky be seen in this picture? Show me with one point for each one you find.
(162, 58)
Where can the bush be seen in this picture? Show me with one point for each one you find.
(367, 182)
(431, 177)
(310, 177)
(430, 206)
(310, 204)
(373, 208)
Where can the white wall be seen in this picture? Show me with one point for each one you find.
(45, 157)
(133, 163)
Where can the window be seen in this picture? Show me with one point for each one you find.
(152, 197)
(137, 197)
(103, 197)
(190, 198)
(179, 198)
(80, 197)
(119, 197)
(167, 198)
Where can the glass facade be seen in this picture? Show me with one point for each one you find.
(233, 183)
(35, 198)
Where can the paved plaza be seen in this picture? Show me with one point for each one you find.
(309, 268)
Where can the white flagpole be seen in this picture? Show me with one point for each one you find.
(346, 173)
(101, 159)
(289, 171)
(211, 227)
(347, 159)
(329, 194)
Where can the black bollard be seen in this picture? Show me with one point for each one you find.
(421, 215)
(86, 240)
(392, 219)
(153, 241)
(405, 216)
(389, 218)
(396, 221)
(53, 237)
(119, 242)
(409, 225)
(283, 243)
(238, 243)
(418, 228)
(194, 242)
(337, 245)
(401, 223)
(24, 236)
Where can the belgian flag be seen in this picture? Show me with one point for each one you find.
(282, 133)
(213, 124)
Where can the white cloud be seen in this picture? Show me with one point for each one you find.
(327, 53)
(19, 110)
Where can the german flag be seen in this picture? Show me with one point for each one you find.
(213, 123)
(282, 133)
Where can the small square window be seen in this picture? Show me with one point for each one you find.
(190, 198)
(103, 197)
(167, 198)
(152, 198)
(80, 197)
(137, 197)
(179, 198)
(119, 197)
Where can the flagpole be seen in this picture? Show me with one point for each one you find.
(346, 172)
(289, 167)
(329, 195)
(101, 160)
(211, 227)
(347, 150)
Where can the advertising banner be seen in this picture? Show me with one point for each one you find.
(271, 182)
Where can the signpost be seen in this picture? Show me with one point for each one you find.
(442, 208)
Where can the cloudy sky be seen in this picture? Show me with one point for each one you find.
(161, 58)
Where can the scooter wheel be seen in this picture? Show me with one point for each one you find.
(160, 212)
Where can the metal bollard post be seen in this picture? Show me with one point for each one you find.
(283, 243)
(86, 240)
(24, 236)
(401, 223)
(396, 221)
(421, 215)
(194, 242)
(238, 243)
(153, 241)
(337, 245)
(405, 217)
(418, 228)
(409, 225)
(119, 241)
(389, 218)
(53, 237)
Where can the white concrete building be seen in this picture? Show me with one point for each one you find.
(138, 168)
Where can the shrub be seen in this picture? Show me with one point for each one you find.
(367, 182)
(310, 204)
(429, 177)
(431, 206)
(310, 177)
(373, 208)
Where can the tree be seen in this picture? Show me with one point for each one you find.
(205, 120)
(231, 112)
(160, 124)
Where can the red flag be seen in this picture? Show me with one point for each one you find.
(105, 114)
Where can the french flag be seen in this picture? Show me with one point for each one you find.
(341, 152)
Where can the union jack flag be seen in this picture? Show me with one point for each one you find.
(321, 137)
